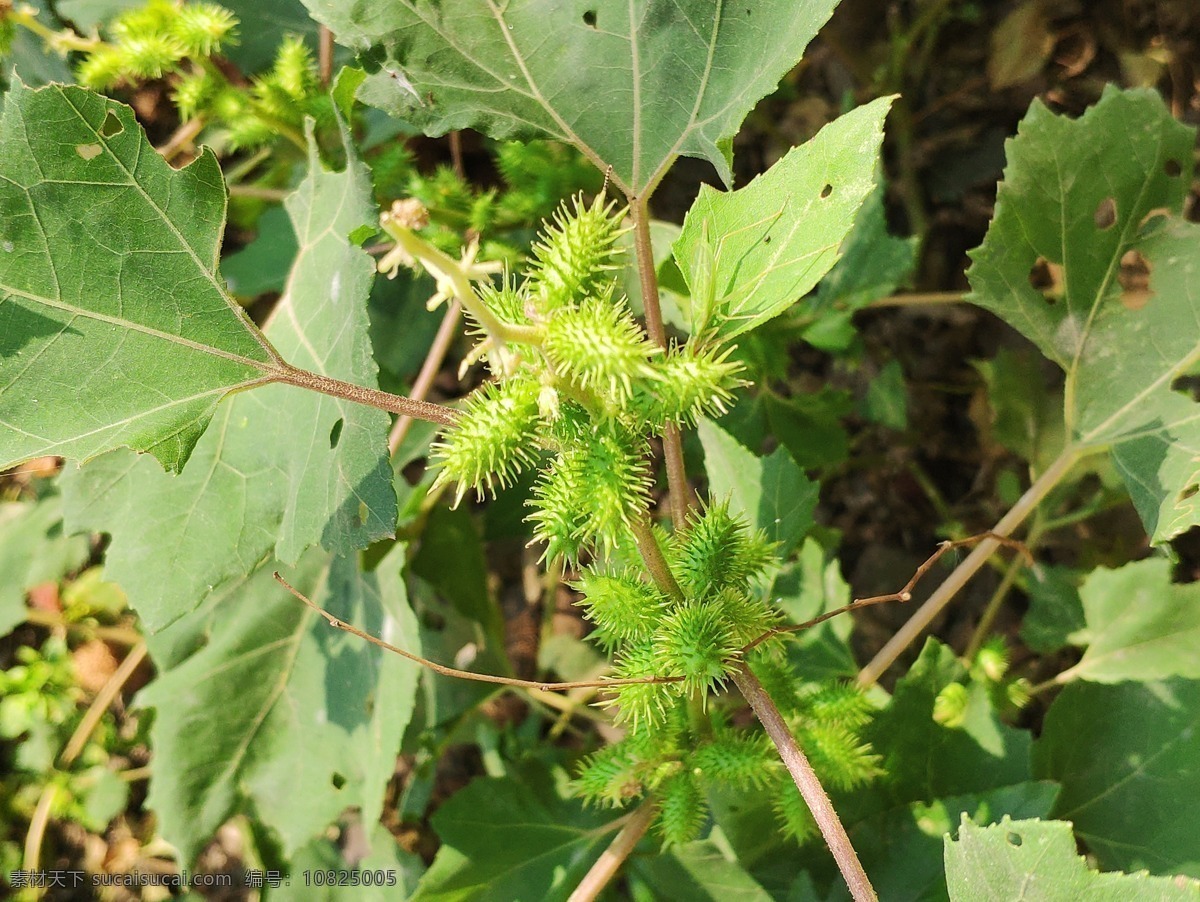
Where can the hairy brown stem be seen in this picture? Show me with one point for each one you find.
(325, 55)
(677, 485)
(652, 556)
(806, 781)
(371, 397)
(607, 865)
(336, 623)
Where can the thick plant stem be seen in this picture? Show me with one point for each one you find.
(677, 486)
(652, 556)
(1053, 475)
(371, 397)
(806, 781)
(607, 865)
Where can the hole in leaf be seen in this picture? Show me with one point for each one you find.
(1047, 278)
(1105, 216)
(589, 18)
(335, 434)
(826, 191)
(767, 240)
(1173, 168)
(1189, 492)
(1014, 839)
(1152, 218)
(1188, 385)
(1134, 277)
(338, 781)
(111, 126)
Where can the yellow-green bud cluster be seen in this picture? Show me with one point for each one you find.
(599, 348)
(153, 40)
(576, 256)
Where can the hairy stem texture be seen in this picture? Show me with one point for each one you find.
(607, 865)
(806, 781)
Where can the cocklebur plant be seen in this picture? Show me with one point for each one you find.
(578, 390)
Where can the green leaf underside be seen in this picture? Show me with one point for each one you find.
(280, 468)
(505, 838)
(769, 243)
(631, 84)
(1126, 758)
(114, 326)
(698, 872)
(279, 714)
(1082, 198)
(1140, 626)
(1037, 860)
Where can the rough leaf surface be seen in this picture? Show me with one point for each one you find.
(281, 468)
(632, 84)
(1087, 206)
(115, 329)
(1126, 758)
(769, 243)
(1139, 625)
(279, 714)
(1028, 860)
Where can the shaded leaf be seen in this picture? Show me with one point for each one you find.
(281, 468)
(280, 715)
(632, 85)
(1126, 758)
(1073, 210)
(387, 872)
(115, 329)
(771, 492)
(1138, 625)
(924, 759)
(761, 248)
(1036, 860)
(698, 871)
(504, 838)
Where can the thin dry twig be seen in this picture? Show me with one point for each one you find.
(336, 623)
(904, 594)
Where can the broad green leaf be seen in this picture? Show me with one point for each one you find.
(281, 715)
(874, 264)
(281, 468)
(886, 402)
(924, 759)
(504, 838)
(115, 329)
(1126, 758)
(901, 847)
(1075, 209)
(766, 245)
(1036, 861)
(33, 549)
(1139, 625)
(697, 872)
(1055, 609)
(771, 492)
(632, 85)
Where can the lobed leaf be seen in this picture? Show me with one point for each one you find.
(761, 248)
(281, 468)
(632, 85)
(280, 715)
(1037, 860)
(115, 329)
(1087, 206)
